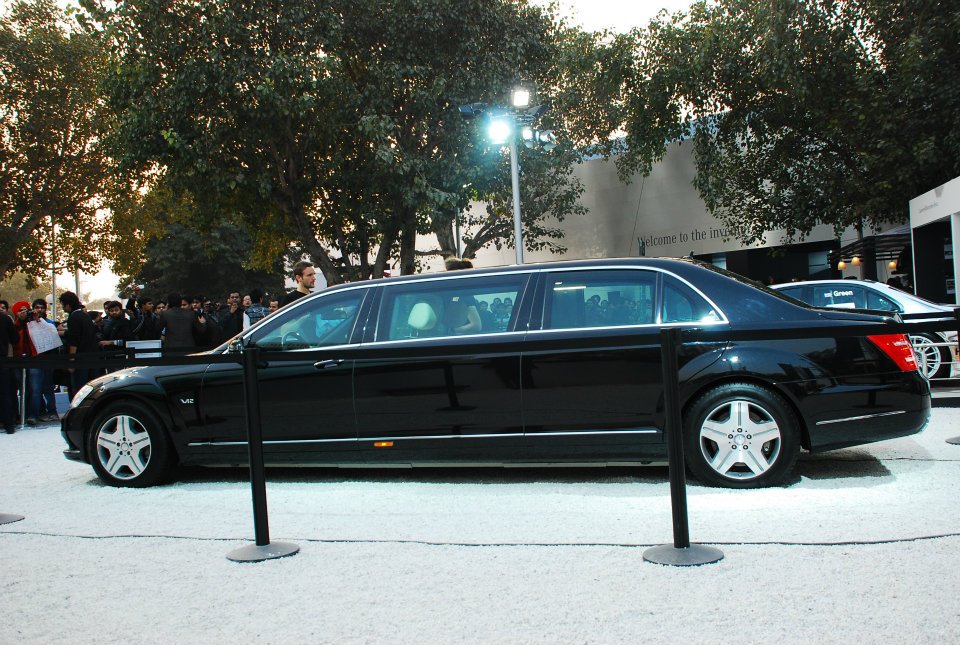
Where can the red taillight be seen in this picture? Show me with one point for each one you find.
(899, 348)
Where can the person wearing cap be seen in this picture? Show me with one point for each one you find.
(21, 314)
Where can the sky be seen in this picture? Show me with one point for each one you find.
(617, 15)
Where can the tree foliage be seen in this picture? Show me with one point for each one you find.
(212, 264)
(52, 120)
(330, 125)
(801, 112)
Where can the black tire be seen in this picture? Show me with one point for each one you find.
(938, 358)
(129, 447)
(741, 435)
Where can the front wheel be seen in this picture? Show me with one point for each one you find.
(741, 435)
(128, 446)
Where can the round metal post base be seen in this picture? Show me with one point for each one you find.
(691, 556)
(7, 518)
(254, 553)
(954, 440)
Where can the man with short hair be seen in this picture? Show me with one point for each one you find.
(116, 329)
(80, 337)
(274, 305)
(306, 277)
(232, 319)
(149, 325)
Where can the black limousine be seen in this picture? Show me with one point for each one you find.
(533, 364)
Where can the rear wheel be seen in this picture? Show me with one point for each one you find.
(936, 359)
(741, 435)
(128, 446)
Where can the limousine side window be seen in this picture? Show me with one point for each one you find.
(437, 308)
(683, 304)
(600, 298)
(323, 322)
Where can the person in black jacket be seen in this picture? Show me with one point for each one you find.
(80, 336)
(116, 329)
(8, 396)
(148, 326)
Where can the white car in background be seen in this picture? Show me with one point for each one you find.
(867, 294)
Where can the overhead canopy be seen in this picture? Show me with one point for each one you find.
(883, 246)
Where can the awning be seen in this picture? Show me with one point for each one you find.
(884, 246)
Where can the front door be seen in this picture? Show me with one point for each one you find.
(306, 406)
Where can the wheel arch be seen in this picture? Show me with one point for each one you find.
(702, 388)
(153, 403)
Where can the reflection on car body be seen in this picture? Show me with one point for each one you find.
(549, 379)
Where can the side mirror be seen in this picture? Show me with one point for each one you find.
(236, 346)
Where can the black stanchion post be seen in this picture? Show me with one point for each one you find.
(956, 317)
(263, 549)
(681, 553)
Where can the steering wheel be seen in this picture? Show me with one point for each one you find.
(292, 339)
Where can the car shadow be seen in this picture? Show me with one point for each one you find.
(849, 464)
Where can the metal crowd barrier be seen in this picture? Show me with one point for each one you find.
(672, 341)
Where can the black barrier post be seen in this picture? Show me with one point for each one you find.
(263, 549)
(682, 553)
(956, 316)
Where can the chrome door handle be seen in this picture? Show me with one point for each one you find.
(322, 365)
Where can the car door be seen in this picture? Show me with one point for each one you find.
(306, 406)
(585, 398)
(456, 389)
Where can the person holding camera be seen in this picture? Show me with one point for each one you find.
(116, 330)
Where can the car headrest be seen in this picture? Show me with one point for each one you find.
(422, 317)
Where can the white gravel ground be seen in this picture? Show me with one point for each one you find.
(863, 547)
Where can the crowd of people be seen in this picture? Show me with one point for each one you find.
(181, 324)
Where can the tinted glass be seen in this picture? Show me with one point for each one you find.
(880, 302)
(683, 304)
(839, 296)
(579, 299)
(321, 323)
(450, 307)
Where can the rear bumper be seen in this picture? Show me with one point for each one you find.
(851, 413)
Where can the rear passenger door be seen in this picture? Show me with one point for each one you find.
(579, 395)
(456, 390)
(603, 403)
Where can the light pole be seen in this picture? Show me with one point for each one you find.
(504, 127)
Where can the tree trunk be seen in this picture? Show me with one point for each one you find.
(408, 241)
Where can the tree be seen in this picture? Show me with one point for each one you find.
(183, 261)
(332, 124)
(52, 120)
(801, 112)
